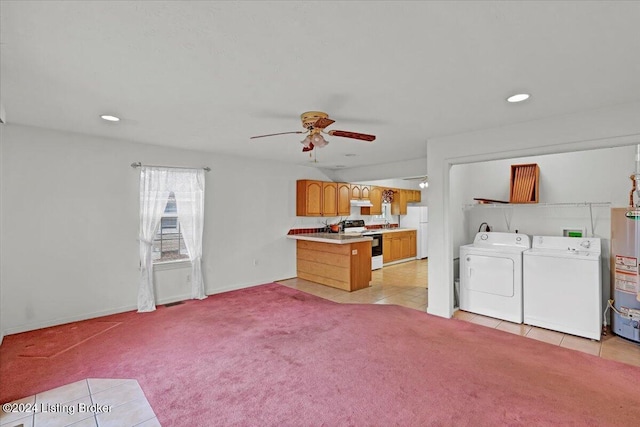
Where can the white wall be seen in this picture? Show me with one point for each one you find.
(69, 225)
(608, 127)
(391, 170)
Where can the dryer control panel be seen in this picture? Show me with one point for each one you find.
(497, 239)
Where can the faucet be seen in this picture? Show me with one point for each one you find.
(386, 223)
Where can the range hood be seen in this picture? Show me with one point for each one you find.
(361, 203)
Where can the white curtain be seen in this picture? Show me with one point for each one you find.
(188, 188)
(154, 193)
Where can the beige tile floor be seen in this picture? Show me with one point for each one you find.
(88, 403)
(405, 284)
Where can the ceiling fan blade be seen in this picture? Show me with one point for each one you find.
(274, 134)
(354, 135)
(322, 123)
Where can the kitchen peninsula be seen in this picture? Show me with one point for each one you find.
(334, 259)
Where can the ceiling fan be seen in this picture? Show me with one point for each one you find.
(315, 122)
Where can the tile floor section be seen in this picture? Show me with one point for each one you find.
(87, 403)
(405, 284)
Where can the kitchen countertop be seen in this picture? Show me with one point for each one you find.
(388, 230)
(335, 238)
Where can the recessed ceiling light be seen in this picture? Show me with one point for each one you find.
(349, 155)
(519, 97)
(340, 166)
(110, 118)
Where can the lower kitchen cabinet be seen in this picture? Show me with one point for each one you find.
(398, 245)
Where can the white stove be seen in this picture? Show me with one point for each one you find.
(356, 227)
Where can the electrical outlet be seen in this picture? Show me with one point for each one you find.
(188, 279)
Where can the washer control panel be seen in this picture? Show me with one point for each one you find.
(577, 245)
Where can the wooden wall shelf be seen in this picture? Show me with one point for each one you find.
(524, 183)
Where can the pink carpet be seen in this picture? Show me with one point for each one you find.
(271, 355)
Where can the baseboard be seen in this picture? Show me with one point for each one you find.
(87, 316)
(400, 261)
(237, 287)
(64, 320)
(176, 298)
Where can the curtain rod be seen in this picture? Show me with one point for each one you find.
(138, 164)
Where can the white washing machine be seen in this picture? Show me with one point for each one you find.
(491, 275)
(563, 285)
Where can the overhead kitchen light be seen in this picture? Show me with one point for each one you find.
(110, 118)
(518, 97)
(424, 184)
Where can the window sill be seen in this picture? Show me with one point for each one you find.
(170, 265)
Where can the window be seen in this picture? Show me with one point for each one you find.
(168, 244)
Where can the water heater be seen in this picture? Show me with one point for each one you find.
(625, 272)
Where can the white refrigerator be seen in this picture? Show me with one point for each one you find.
(418, 217)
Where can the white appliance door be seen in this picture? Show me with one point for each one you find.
(424, 214)
(489, 275)
(412, 218)
(423, 241)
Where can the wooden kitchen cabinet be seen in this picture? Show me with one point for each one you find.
(375, 196)
(365, 192)
(413, 249)
(308, 198)
(359, 191)
(396, 248)
(405, 247)
(343, 266)
(316, 198)
(386, 248)
(329, 199)
(398, 245)
(344, 201)
(414, 196)
(355, 191)
(399, 204)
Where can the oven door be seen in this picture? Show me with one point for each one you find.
(376, 245)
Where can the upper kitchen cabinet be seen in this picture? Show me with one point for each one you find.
(329, 199)
(360, 191)
(414, 196)
(344, 196)
(316, 198)
(309, 198)
(365, 192)
(375, 196)
(399, 203)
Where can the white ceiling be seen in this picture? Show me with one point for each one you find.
(208, 75)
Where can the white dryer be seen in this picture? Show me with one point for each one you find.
(563, 285)
(491, 275)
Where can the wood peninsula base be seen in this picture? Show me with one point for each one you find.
(344, 266)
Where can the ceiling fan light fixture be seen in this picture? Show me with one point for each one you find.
(306, 142)
(318, 140)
